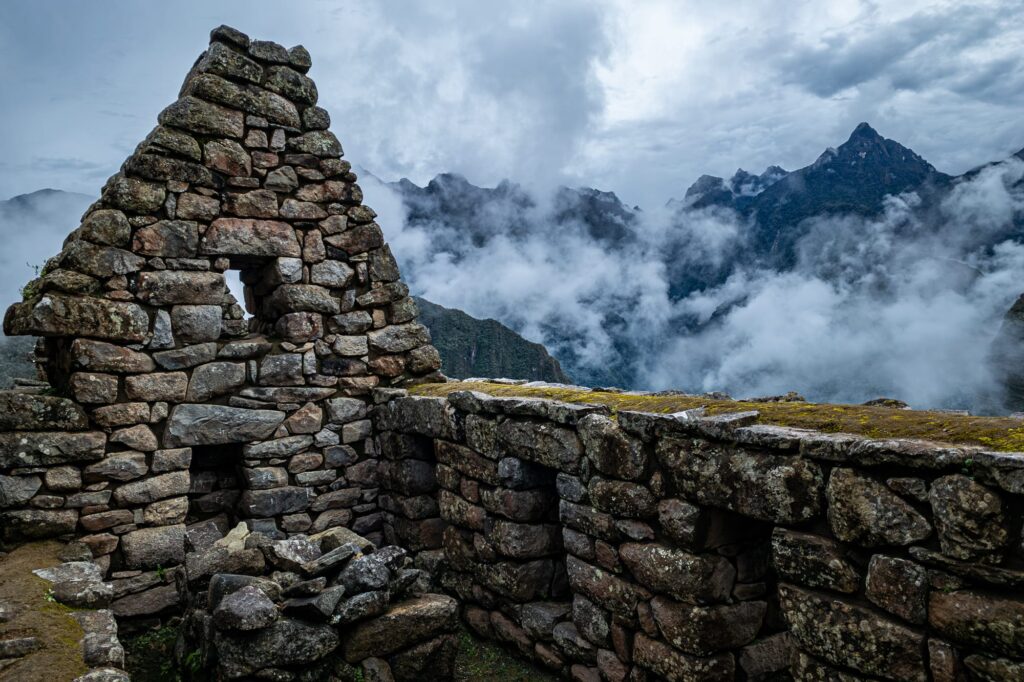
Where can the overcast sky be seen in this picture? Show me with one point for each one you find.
(637, 97)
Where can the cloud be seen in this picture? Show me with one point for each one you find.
(639, 98)
(903, 305)
(34, 227)
(911, 52)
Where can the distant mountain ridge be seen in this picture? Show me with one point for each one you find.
(774, 211)
(485, 348)
(736, 192)
(851, 179)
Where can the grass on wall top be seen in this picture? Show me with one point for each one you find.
(1004, 434)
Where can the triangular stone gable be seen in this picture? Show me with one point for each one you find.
(150, 350)
(241, 173)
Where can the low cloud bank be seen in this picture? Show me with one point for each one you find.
(905, 304)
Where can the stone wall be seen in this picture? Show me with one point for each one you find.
(162, 405)
(685, 547)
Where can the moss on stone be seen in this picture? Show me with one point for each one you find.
(1002, 434)
(481, 661)
(149, 655)
(37, 615)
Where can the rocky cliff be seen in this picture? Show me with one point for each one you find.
(485, 348)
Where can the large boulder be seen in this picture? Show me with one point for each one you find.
(31, 412)
(247, 609)
(852, 636)
(32, 524)
(247, 237)
(770, 487)
(813, 561)
(705, 630)
(612, 451)
(692, 578)
(285, 642)
(153, 547)
(975, 619)
(672, 664)
(25, 449)
(969, 518)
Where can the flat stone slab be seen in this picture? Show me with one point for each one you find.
(218, 424)
(404, 624)
(30, 449)
(57, 315)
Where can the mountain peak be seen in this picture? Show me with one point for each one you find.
(864, 130)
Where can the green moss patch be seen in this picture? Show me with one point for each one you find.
(996, 433)
(37, 615)
(480, 661)
(149, 656)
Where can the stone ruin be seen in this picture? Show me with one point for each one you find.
(173, 417)
(274, 482)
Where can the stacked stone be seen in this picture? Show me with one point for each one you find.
(160, 371)
(44, 443)
(331, 607)
(713, 548)
(408, 480)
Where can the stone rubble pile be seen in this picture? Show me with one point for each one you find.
(170, 407)
(327, 606)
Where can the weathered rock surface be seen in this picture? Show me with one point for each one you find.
(705, 630)
(899, 586)
(975, 619)
(59, 315)
(284, 643)
(404, 624)
(153, 547)
(688, 577)
(969, 519)
(246, 237)
(25, 449)
(851, 636)
(864, 511)
(671, 664)
(28, 412)
(813, 561)
(769, 487)
(246, 609)
(214, 424)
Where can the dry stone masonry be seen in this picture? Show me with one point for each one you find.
(165, 409)
(689, 547)
(169, 404)
(271, 481)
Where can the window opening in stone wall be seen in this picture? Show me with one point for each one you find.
(233, 279)
(216, 484)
